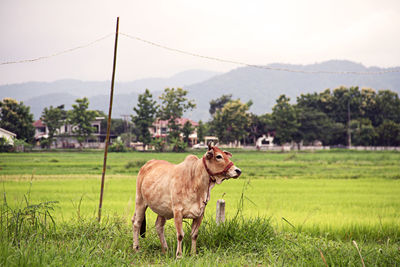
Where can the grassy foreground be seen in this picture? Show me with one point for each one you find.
(294, 209)
(237, 242)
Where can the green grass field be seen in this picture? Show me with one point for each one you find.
(327, 198)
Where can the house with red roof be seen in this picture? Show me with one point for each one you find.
(160, 129)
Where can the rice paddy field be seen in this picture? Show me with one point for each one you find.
(321, 208)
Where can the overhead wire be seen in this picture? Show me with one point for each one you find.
(393, 70)
(58, 53)
(259, 66)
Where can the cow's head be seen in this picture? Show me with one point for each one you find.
(218, 164)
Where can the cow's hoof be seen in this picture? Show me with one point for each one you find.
(136, 248)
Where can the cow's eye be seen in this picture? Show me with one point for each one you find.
(219, 157)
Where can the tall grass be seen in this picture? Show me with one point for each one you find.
(340, 209)
(238, 241)
(30, 219)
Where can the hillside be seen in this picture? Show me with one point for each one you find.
(264, 86)
(39, 95)
(261, 86)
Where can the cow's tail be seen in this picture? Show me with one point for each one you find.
(143, 227)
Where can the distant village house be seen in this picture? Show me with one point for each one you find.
(8, 136)
(66, 138)
(160, 129)
(265, 141)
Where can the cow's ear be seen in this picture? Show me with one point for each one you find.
(210, 154)
(228, 153)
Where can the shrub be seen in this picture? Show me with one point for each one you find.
(158, 144)
(178, 145)
(5, 146)
(45, 143)
(135, 164)
(118, 146)
(22, 145)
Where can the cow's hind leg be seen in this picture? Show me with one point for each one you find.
(195, 231)
(137, 220)
(160, 222)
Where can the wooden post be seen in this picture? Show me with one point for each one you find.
(220, 216)
(107, 141)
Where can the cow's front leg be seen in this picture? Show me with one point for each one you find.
(195, 231)
(178, 217)
(160, 222)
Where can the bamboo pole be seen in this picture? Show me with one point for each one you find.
(107, 141)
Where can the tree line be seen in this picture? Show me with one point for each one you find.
(16, 117)
(347, 116)
(343, 116)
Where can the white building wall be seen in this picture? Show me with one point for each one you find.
(9, 136)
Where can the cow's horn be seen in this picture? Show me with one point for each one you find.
(210, 145)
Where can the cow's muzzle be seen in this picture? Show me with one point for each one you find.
(238, 173)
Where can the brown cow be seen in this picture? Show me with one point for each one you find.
(179, 191)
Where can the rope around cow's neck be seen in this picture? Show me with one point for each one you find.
(211, 175)
(218, 173)
(208, 192)
(210, 182)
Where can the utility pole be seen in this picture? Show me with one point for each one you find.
(126, 119)
(348, 125)
(108, 122)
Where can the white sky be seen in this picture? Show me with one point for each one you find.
(252, 31)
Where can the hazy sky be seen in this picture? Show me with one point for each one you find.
(252, 31)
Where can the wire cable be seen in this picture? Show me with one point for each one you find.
(58, 53)
(393, 70)
(258, 66)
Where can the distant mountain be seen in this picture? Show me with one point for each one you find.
(25, 91)
(28, 90)
(261, 86)
(39, 95)
(38, 103)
